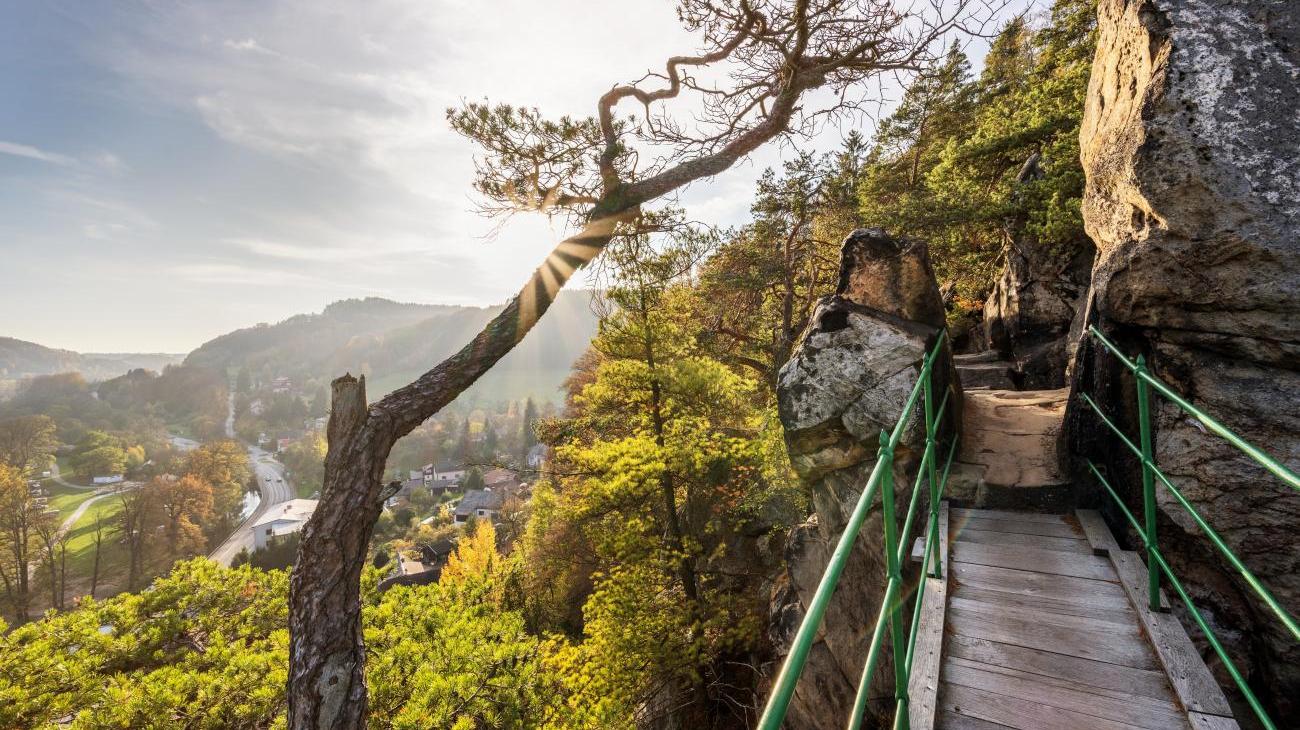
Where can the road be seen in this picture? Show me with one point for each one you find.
(272, 482)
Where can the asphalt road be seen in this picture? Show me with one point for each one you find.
(275, 488)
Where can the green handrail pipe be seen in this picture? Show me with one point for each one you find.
(891, 611)
(1260, 457)
(1259, 588)
(1228, 664)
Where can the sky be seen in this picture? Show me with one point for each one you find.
(170, 171)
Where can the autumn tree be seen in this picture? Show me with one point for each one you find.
(184, 504)
(761, 58)
(224, 466)
(20, 517)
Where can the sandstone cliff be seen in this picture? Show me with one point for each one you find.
(1189, 143)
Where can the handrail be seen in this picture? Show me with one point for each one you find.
(1263, 459)
(890, 615)
(1156, 564)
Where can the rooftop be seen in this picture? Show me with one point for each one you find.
(296, 510)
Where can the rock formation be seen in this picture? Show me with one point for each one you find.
(1189, 144)
(1028, 314)
(848, 379)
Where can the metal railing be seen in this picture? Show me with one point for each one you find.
(1146, 530)
(892, 605)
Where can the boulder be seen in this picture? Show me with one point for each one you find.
(847, 381)
(1193, 200)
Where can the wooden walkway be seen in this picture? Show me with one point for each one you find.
(1041, 623)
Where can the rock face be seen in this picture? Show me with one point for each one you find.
(848, 380)
(1189, 144)
(1028, 314)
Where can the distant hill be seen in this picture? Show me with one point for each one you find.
(392, 343)
(20, 359)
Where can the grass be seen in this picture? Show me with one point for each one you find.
(64, 499)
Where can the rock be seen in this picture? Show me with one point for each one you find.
(892, 275)
(848, 379)
(1193, 199)
(984, 370)
(1027, 316)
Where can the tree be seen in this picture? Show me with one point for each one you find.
(98, 527)
(185, 503)
(27, 442)
(223, 465)
(54, 541)
(135, 521)
(473, 479)
(20, 516)
(588, 171)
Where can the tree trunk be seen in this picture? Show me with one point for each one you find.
(327, 669)
(326, 651)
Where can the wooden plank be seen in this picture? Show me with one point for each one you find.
(1120, 614)
(1192, 681)
(1049, 529)
(954, 721)
(1098, 534)
(961, 515)
(1060, 694)
(1132, 571)
(1201, 721)
(1042, 542)
(1064, 620)
(923, 684)
(1059, 587)
(1016, 713)
(1098, 645)
(1098, 675)
(1039, 561)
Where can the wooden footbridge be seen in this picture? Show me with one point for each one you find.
(1031, 620)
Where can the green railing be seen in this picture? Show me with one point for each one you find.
(1146, 530)
(896, 542)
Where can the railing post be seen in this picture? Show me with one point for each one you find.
(889, 518)
(936, 568)
(1148, 483)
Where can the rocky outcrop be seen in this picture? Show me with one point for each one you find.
(847, 381)
(1193, 199)
(1027, 316)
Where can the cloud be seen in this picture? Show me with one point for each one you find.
(33, 153)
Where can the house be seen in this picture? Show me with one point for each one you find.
(283, 444)
(403, 493)
(446, 472)
(479, 503)
(281, 385)
(282, 519)
(436, 553)
(257, 407)
(536, 456)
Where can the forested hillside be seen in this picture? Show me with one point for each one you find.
(633, 589)
(20, 360)
(391, 342)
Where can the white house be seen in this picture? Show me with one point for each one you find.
(445, 472)
(282, 519)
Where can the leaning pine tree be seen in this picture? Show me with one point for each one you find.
(762, 57)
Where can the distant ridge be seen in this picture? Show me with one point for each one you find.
(392, 343)
(20, 359)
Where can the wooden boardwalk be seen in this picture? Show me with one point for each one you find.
(1041, 623)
